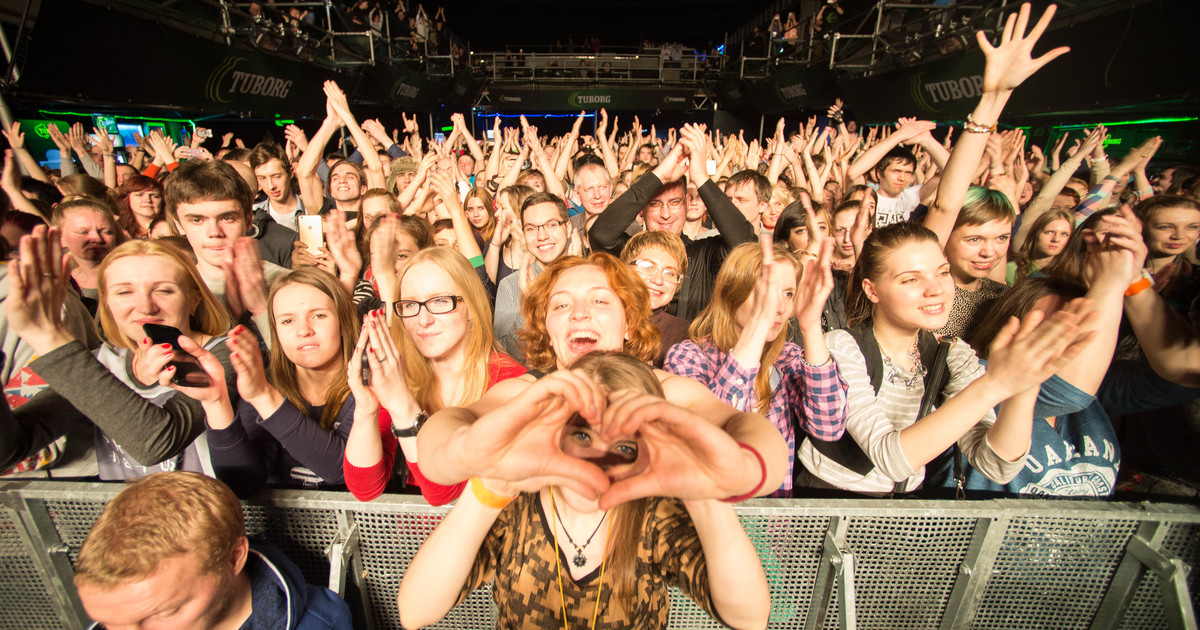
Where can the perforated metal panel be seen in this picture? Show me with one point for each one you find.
(24, 602)
(1052, 572)
(904, 569)
(389, 542)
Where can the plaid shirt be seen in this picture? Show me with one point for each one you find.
(814, 396)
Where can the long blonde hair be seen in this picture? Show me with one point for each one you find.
(210, 316)
(480, 342)
(717, 323)
(615, 371)
(282, 370)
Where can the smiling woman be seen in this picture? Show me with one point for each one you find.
(901, 289)
(557, 558)
(440, 351)
(143, 424)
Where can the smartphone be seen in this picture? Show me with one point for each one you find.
(310, 232)
(491, 134)
(440, 137)
(187, 369)
(711, 165)
(366, 367)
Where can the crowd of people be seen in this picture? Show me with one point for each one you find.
(619, 332)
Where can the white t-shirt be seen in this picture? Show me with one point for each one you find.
(889, 210)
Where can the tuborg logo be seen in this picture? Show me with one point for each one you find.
(242, 83)
(794, 91)
(931, 96)
(578, 100)
(404, 90)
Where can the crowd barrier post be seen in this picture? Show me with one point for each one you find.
(1145, 551)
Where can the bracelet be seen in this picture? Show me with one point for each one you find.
(972, 126)
(1113, 178)
(487, 497)
(827, 361)
(1142, 284)
(762, 464)
(1099, 160)
(1145, 192)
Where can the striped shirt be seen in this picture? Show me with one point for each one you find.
(875, 421)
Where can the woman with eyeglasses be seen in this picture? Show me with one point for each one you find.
(439, 352)
(660, 260)
(738, 347)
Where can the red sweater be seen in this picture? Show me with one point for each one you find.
(369, 482)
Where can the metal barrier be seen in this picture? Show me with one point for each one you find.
(831, 563)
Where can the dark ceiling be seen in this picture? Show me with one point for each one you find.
(495, 24)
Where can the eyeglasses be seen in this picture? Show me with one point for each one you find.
(648, 268)
(530, 230)
(657, 204)
(436, 305)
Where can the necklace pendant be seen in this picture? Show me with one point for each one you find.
(579, 560)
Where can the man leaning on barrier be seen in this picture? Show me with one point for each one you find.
(171, 551)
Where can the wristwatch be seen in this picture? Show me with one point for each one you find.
(418, 421)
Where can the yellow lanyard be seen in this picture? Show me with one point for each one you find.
(562, 598)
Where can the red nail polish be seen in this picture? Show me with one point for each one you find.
(166, 346)
(170, 368)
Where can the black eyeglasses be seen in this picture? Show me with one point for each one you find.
(436, 305)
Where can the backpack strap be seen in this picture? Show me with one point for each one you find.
(846, 451)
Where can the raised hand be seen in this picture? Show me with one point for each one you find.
(296, 136)
(908, 130)
(64, 145)
(389, 385)
(247, 361)
(1115, 249)
(16, 139)
(339, 242)
(816, 283)
(150, 360)
(680, 454)
(78, 138)
(1027, 352)
(215, 393)
(1011, 62)
(245, 286)
(521, 441)
(1138, 157)
(37, 287)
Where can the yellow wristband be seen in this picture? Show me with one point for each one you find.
(487, 497)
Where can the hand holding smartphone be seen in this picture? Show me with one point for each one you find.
(187, 369)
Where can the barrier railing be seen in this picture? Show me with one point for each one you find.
(831, 563)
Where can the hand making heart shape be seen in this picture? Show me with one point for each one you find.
(612, 447)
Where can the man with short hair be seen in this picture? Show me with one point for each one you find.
(209, 204)
(594, 191)
(274, 175)
(895, 168)
(171, 551)
(546, 232)
(750, 191)
(663, 206)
